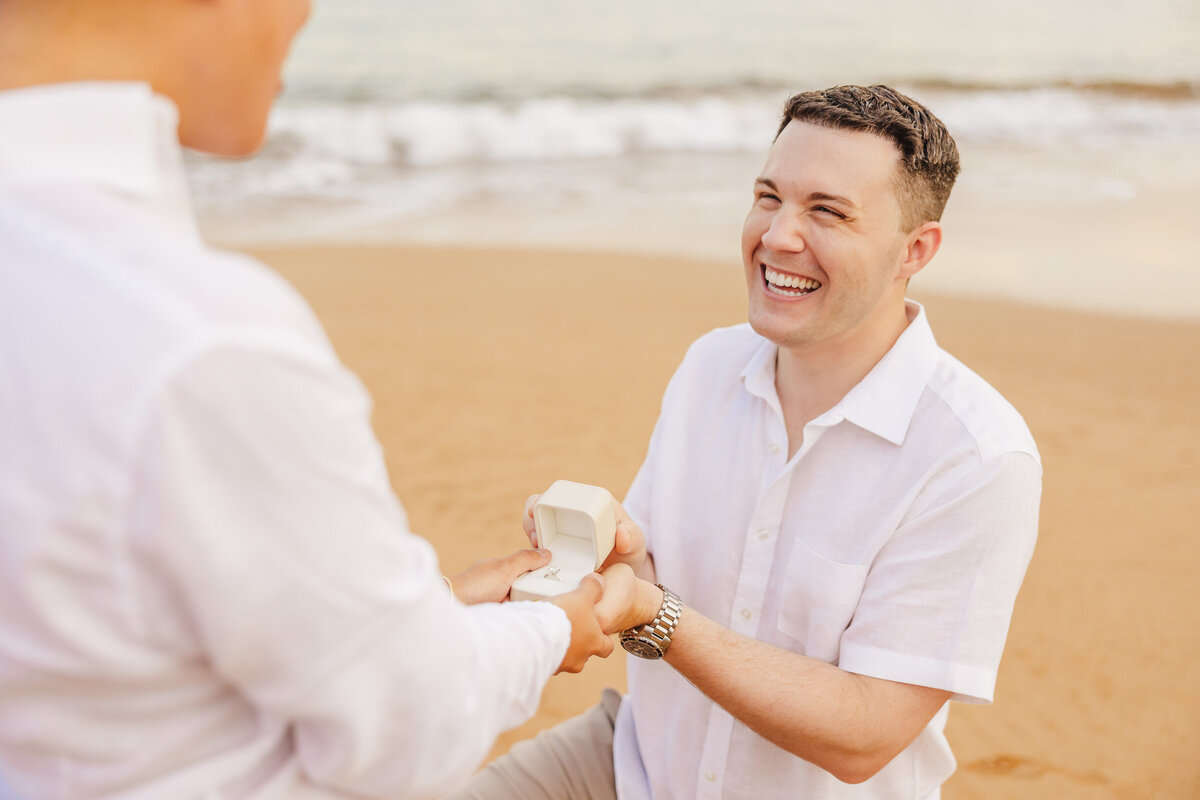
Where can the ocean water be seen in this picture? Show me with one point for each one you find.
(639, 126)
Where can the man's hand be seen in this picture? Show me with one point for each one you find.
(628, 600)
(489, 580)
(587, 638)
(628, 548)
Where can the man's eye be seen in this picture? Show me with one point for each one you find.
(768, 197)
(828, 210)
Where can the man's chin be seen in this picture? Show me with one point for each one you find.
(229, 138)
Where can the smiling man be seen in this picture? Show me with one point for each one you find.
(843, 513)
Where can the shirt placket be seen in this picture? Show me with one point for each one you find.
(758, 552)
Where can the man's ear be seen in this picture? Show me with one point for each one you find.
(923, 244)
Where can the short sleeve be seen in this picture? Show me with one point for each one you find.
(938, 599)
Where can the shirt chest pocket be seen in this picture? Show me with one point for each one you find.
(818, 600)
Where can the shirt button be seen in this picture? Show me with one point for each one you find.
(774, 448)
(710, 776)
(763, 533)
(746, 614)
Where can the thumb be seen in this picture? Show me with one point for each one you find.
(623, 540)
(592, 587)
(526, 560)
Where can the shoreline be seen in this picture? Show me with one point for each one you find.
(496, 371)
(1090, 229)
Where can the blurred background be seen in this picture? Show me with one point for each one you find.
(639, 126)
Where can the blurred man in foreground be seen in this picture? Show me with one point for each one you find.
(207, 587)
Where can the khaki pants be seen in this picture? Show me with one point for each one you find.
(571, 761)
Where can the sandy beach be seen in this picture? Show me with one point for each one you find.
(495, 372)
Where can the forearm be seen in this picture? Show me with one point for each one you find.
(847, 724)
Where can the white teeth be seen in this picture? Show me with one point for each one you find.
(778, 281)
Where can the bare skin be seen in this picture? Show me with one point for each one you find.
(630, 596)
(490, 580)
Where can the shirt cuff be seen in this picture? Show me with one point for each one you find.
(552, 621)
(968, 684)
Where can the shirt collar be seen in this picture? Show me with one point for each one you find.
(116, 136)
(884, 401)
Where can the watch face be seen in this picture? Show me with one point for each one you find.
(641, 648)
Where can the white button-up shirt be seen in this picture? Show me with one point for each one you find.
(207, 587)
(892, 544)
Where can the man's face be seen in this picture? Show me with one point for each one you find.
(236, 82)
(822, 245)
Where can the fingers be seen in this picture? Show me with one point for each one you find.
(624, 540)
(587, 637)
(523, 561)
(629, 546)
(628, 600)
(527, 519)
(613, 612)
(592, 587)
(529, 504)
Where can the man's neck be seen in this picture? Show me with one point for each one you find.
(813, 379)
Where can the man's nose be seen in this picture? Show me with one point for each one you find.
(784, 234)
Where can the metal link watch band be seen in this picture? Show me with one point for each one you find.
(652, 639)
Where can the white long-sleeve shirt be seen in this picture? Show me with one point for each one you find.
(207, 587)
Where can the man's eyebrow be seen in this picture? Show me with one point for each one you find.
(821, 197)
(813, 197)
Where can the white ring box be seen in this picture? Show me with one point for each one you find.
(577, 523)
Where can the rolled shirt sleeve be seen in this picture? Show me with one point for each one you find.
(263, 501)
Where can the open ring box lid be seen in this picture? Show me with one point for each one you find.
(577, 523)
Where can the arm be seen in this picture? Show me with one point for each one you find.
(849, 725)
(264, 505)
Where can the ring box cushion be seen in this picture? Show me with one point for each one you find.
(577, 523)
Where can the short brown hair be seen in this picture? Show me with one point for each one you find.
(928, 154)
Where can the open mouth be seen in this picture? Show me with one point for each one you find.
(788, 285)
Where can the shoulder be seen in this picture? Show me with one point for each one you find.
(978, 411)
(132, 271)
(119, 313)
(219, 290)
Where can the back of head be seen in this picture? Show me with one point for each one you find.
(928, 155)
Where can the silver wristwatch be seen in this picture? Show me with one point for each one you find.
(652, 639)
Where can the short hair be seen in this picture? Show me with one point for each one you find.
(928, 154)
